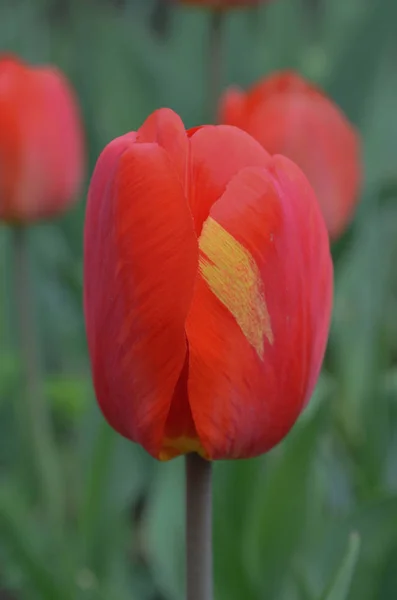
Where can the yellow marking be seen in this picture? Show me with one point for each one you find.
(181, 445)
(233, 276)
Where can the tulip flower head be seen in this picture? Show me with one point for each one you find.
(289, 116)
(207, 289)
(41, 142)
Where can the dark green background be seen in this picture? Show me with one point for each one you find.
(282, 522)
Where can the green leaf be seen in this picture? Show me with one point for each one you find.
(358, 354)
(164, 528)
(115, 473)
(234, 484)
(97, 477)
(275, 521)
(339, 588)
(376, 524)
(20, 539)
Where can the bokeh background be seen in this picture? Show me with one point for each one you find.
(282, 523)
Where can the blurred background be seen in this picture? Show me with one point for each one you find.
(282, 523)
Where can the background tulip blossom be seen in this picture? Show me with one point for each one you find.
(41, 142)
(287, 115)
(207, 289)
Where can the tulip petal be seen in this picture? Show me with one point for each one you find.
(258, 323)
(11, 87)
(290, 116)
(217, 154)
(140, 267)
(41, 142)
(232, 106)
(166, 128)
(62, 142)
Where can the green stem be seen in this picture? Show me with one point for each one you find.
(215, 63)
(34, 418)
(199, 528)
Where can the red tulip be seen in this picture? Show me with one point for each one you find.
(289, 116)
(41, 142)
(207, 289)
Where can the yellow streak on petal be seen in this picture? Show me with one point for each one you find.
(173, 447)
(233, 276)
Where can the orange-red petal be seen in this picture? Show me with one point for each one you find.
(140, 266)
(290, 116)
(232, 107)
(217, 154)
(41, 142)
(62, 140)
(166, 128)
(258, 323)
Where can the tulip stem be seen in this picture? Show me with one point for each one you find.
(34, 419)
(215, 63)
(199, 528)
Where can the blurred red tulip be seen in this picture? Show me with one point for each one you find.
(207, 289)
(224, 3)
(41, 142)
(289, 116)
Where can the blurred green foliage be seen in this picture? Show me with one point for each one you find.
(288, 526)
